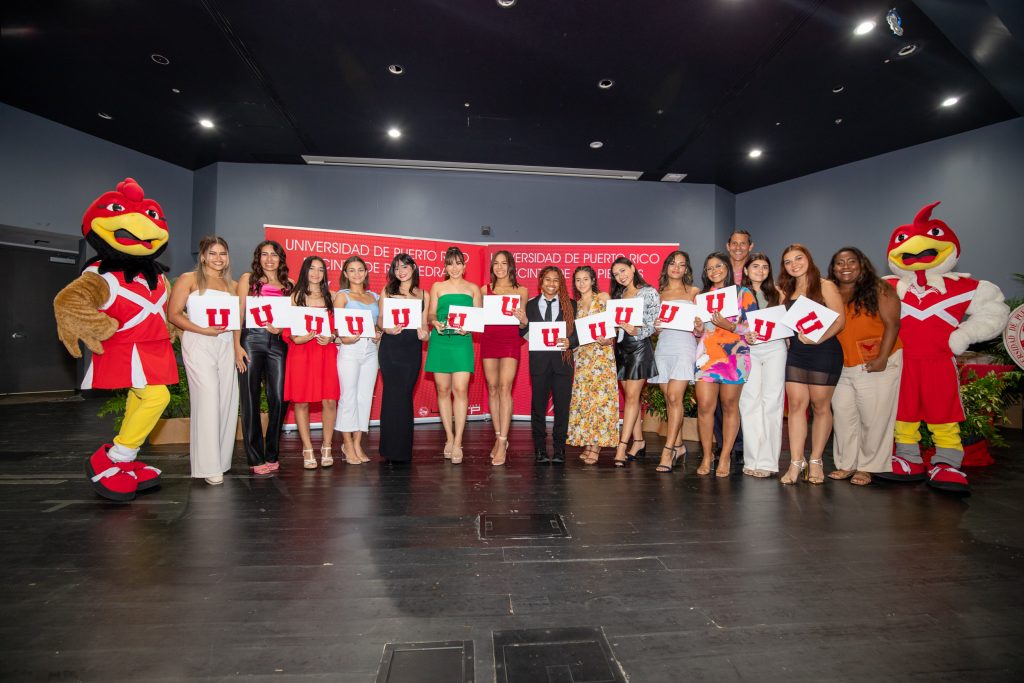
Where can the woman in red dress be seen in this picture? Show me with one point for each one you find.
(311, 373)
(499, 351)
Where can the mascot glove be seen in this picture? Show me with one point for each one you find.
(959, 340)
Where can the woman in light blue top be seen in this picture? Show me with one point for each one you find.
(357, 358)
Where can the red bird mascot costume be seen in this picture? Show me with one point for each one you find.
(942, 313)
(117, 308)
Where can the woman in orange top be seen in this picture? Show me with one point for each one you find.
(864, 404)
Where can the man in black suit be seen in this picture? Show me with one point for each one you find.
(551, 372)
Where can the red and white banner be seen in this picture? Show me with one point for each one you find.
(334, 246)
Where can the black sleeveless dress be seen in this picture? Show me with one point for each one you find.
(400, 357)
(817, 364)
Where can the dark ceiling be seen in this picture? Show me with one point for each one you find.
(697, 84)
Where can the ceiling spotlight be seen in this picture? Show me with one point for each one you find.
(950, 101)
(466, 105)
(206, 123)
(394, 133)
(864, 27)
(838, 121)
(104, 115)
(838, 89)
(754, 153)
(596, 144)
(907, 50)
(660, 112)
(160, 59)
(175, 91)
(396, 69)
(506, 3)
(778, 123)
(605, 83)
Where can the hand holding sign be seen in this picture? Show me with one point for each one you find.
(214, 310)
(722, 301)
(500, 309)
(545, 336)
(627, 312)
(809, 318)
(401, 313)
(593, 328)
(677, 315)
(354, 322)
(305, 321)
(267, 311)
(465, 319)
(765, 325)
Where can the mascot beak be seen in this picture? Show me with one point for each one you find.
(921, 252)
(130, 233)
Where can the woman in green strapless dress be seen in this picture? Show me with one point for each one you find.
(450, 356)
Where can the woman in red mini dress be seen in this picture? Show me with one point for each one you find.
(311, 373)
(499, 351)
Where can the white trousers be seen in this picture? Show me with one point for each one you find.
(761, 406)
(213, 394)
(357, 370)
(864, 416)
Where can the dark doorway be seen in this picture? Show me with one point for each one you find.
(32, 359)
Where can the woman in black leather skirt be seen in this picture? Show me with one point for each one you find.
(260, 356)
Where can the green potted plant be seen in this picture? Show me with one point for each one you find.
(655, 411)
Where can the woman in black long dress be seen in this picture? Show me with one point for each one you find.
(400, 357)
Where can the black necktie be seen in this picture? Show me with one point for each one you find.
(547, 312)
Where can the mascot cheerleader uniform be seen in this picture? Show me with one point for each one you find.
(117, 308)
(942, 313)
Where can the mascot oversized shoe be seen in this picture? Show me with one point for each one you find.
(904, 470)
(147, 476)
(948, 478)
(109, 479)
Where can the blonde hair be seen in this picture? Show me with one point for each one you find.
(205, 245)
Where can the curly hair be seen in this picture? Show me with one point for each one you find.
(593, 280)
(564, 305)
(638, 279)
(787, 283)
(256, 270)
(867, 286)
(687, 272)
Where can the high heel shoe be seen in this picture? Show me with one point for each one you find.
(640, 454)
(308, 461)
(815, 480)
(590, 456)
(622, 463)
(456, 454)
(495, 459)
(727, 460)
(326, 459)
(350, 459)
(667, 469)
(801, 467)
(447, 452)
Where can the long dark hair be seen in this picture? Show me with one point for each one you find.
(687, 272)
(564, 304)
(865, 289)
(638, 279)
(453, 255)
(299, 296)
(394, 285)
(511, 268)
(706, 284)
(343, 282)
(593, 279)
(768, 288)
(256, 270)
(787, 283)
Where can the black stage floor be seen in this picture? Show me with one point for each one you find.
(309, 575)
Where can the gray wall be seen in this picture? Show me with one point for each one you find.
(978, 175)
(49, 174)
(455, 205)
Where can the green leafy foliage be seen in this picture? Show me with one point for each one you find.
(652, 400)
(984, 400)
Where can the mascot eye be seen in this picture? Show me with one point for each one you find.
(114, 207)
(902, 237)
(936, 232)
(153, 214)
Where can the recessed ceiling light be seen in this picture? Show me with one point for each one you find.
(838, 89)
(838, 121)
(104, 115)
(596, 144)
(907, 50)
(864, 27)
(160, 59)
(778, 123)
(605, 83)
(673, 177)
(506, 3)
(175, 91)
(396, 69)
(950, 101)
(206, 123)
(394, 133)
(754, 153)
(466, 105)
(660, 112)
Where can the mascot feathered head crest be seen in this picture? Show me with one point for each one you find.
(927, 244)
(128, 231)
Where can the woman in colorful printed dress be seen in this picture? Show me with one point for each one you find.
(594, 409)
(723, 362)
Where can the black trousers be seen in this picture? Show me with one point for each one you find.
(267, 354)
(559, 388)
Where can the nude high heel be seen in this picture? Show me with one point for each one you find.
(308, 459)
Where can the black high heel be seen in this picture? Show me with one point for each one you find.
(667, 469)
(640, 454)
(622, 463)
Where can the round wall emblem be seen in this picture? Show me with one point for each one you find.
(1013, 336)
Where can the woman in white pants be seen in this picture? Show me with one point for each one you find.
(864, 405)
(357, 359)
(762, 398)
(209, 355)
